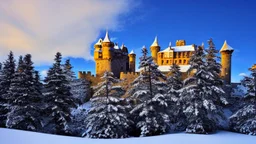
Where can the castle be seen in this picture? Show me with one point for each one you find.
(110, 57)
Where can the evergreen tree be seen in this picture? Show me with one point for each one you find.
(174, 84)
(149, 112)
(37, 83)
(58, 98)
(3, 108)
(80, 88)
(200, 97)
(7, 74)
(108, 116)
(148, 82)
(250, 83)
(67, 69)
(244, 120)
(25, 110)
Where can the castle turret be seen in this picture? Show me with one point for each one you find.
(106, 47)
(226, 56)
(155, 48)
(132, 60)
(102, 55)
(97, 50)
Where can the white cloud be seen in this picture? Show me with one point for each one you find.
(43, 27)
(242, 74)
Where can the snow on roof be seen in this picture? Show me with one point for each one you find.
(99, 42)
(166, 68)
(155, 43)
(226, 47)
(122, 46)
(116, 47)
(132, 52)
(106, 39)
(179, 48)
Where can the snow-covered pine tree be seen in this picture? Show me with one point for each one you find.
(250, 83)
(37, 83)
(6, 77)
(199, 96)
(25, 108)
(213, 66)
(244, 120)
(3, 108)
(58, 98)
(174, 84)
(108, 116)
(80, 88)
(67, 69)
(149, 113)
(148, 82)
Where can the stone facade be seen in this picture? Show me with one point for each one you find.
(110, 57)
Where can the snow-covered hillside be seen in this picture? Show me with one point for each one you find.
(8, 136)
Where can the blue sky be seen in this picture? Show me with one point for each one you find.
(137, 25)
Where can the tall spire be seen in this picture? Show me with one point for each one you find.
(106, 39)
(226, 47)
(155, 43)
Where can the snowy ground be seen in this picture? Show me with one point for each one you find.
(8, 136)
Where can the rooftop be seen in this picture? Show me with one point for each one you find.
(226, 47)
(179, 48)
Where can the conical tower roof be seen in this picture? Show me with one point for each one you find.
(155, 43)
(226, 47)
(132, 52)
(106, 39)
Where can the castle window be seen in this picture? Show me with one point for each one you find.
(179, 61)
(179, 54)
(162, 61)
(185, 62)
(183, 54)
(175, 55)
(167, 61)
(162, 55)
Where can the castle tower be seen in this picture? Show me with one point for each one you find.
(226, 56)
(106, 47)
(97, 50)
(102, 55)
(155, 48)
(132, 60)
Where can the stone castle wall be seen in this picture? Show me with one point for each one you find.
(94, 80)
(129, 75)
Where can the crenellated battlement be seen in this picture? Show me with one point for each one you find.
(84, 74)
(129, 75)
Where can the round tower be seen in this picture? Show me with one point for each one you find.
(102, 55)
(226, 57)
(97, 50)
(106, 47)
(132, 61)
(155, 48)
